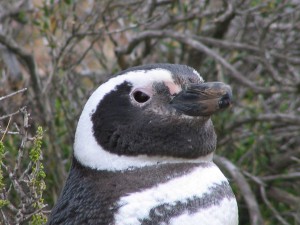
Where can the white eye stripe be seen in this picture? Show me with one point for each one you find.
(198, 74)
(140, 79)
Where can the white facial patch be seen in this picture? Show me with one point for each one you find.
(198, 183)
(86, 149)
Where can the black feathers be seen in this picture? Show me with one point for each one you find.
(90, 196)
(126, 129)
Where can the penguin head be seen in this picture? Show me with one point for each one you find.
(148, 115)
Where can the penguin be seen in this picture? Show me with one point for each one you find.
(143, 153)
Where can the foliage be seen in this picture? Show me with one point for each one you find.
(62, 50)
(22, 181)
(37, 177)
(3, 202)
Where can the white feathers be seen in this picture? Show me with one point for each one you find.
(195, 184)
(196, 72)
(226, 213)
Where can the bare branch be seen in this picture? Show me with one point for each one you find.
(268, 203)
(245, 47)
(26, 57)
(295, 175)
(271, 117)
(23, 142)
(30, 63)
(6, 221)
(6, 129)
(227, 14)
(15, 10)
(188, 40)
(9, 115)
(244, 187)
(12, 94)
(284, 196)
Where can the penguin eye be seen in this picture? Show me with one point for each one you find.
(140, 97)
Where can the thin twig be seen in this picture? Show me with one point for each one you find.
(295, 175)
(284, 196)
(6, 129)
(23, 142)
(9, 132)
(275, 212)
(12, 94)
(26, 217)
(4, 217)
(9, 115)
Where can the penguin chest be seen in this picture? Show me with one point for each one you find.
(202, 196)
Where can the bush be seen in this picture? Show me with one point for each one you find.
(61, 50)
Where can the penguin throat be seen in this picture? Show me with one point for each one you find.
(104, 160)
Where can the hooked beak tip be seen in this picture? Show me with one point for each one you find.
(225, 101)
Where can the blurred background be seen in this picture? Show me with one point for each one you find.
(54, 53)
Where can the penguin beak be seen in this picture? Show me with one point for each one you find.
(203, 99)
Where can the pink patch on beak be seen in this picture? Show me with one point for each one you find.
(173, 88)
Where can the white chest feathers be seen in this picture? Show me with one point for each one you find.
(202, 197)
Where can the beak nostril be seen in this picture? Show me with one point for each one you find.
(224, 102)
